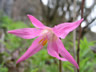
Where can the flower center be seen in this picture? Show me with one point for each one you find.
(45, 31)
(48, 35)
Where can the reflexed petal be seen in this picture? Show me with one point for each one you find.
(35, 22)
(63, 29)
(26, 33)
(53, 50)
(63, 52)
(34, 48)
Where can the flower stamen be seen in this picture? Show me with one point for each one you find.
(43, 41)
(40, 41)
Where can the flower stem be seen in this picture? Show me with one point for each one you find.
(74, 32)
(60, 66)
(80, 34)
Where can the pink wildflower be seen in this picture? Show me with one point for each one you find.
(47, 35)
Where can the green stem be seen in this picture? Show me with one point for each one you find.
(60, 66)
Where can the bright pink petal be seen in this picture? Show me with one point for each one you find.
(63, 29)
(26, 33)
(53, 50)
(34, 48)
(35, 22)
(63, 52)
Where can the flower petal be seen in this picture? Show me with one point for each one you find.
(26, 33)
(63, 29)
(34, 48)
(63, 52)
(35, 22)
(53, 50)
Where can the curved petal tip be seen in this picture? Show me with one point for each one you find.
(9, 31)
(78, 67)
(18, 61)
(29, 15)
(82, 19)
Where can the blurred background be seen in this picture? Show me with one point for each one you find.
(13, 15)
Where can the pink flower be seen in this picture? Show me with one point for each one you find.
(47, 35)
